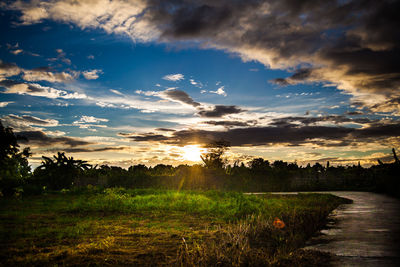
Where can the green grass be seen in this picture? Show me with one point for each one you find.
(144, 227)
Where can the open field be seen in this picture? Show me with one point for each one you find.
(152, 227)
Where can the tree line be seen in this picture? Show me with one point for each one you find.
(62, 172)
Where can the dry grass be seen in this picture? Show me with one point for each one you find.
(226, 230)
(251, 242)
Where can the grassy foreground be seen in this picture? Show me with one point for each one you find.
(151, 227)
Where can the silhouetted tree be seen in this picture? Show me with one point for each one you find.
(60, 172)
(396, 159)
(279, 164)
(213, 158)
(259, 164)
(14, 167)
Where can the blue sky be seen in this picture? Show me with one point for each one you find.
(129, 82)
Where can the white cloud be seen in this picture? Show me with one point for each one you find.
(104, 140)
(39, 90)
(4, 104)
(170, 94)
(122, 17)
(26, 122)
(91, 74)
(45, 75)
(174, 77)
(146, 93)
(247, 37)
(90, 119)
(8, 70)
(145, 105)
(16, 51)
(196, 83)
(219, 91)
(105, 105)
(90, 122)
(61, 55)
(38, 74)
(334, 107)
(116, 92)
(63, 104)
(55, 133)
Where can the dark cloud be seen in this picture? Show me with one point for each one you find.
(42, 139)
(36, 74)
(386, 106)
(5, 66)
(43, 68)
(280, 81)
(293, 136)
(299, 76)
(26, 122)
(378, 131)
(124, 134)
(230, 123)
(290, 121)
(250, 136)
(180, 96)
(8, 83)
(34, 120)
(219, 111)
(149, 137)
(353, 44)
(77, 150)
(28, 88)
(165, 130)
(31, 120)
(354, 113)
(193, 20)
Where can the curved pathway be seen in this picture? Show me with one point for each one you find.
(364, 233)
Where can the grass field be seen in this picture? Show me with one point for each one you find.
(153, 227)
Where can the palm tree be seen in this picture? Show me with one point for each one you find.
(60, 172)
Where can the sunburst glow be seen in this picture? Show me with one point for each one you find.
(192, 152)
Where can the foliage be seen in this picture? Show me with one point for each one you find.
(60, 172)
(14, 168)
(213, 158)
(259, 175)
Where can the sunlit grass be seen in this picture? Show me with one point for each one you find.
(128, 227)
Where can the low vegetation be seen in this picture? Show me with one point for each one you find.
(117, 226)
(63, 172)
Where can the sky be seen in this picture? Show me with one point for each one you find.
(153, 81)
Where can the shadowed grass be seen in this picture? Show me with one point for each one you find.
(157, 227)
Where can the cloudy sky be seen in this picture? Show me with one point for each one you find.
(150, 81)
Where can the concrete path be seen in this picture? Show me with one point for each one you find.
(365, 233)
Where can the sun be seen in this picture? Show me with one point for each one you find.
(192, 153)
